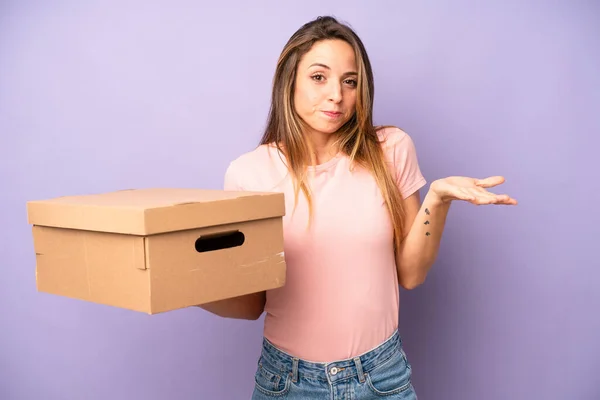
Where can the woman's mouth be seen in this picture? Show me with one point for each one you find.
(332, 114)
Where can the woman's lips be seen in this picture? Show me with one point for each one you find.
(332, 114)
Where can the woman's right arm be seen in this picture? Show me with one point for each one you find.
(250, 306)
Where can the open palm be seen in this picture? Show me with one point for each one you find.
(472, 190)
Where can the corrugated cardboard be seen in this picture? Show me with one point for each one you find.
(156, 250)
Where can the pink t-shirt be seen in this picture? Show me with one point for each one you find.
(341, 293)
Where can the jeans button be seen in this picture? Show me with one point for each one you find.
(333, 371)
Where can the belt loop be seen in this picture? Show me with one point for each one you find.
(359, 370)
(294, 370)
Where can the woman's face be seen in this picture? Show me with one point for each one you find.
(326, 81)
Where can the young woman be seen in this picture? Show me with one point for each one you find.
(355, 228)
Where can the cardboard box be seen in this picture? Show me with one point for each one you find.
(155, 250)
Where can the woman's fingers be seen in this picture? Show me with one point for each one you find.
(482, 196)
(467, 195)
(490, 181)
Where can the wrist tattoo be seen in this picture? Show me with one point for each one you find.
(426, 222)
(427, 211)
(427, 233)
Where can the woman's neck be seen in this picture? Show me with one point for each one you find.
(323, 146)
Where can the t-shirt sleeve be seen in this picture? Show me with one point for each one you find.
(401, 150)
(232, 179)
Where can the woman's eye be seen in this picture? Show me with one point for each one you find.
(351, 82)
(318, 78)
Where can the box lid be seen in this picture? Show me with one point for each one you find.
(154, 210)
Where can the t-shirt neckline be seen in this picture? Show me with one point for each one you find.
(319, 167)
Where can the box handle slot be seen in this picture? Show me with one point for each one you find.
(219, 241)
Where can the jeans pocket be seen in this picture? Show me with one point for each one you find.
(269, 382)
(391, 377)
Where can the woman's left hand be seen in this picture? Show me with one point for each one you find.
(470, 189)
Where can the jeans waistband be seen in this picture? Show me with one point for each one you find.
(335, 370)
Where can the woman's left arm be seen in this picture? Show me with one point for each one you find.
(419, 249)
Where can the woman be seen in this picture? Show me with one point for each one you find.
(354, 229)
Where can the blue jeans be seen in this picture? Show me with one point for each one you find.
(383, 372)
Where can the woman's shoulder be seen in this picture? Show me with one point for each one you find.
(390, 135)
(250, 157)
(243, 171)
(395, 142)
(400, 151)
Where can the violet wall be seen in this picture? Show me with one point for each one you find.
(105, 95)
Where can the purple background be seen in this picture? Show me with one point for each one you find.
(98, 96)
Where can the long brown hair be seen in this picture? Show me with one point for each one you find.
(357, 138)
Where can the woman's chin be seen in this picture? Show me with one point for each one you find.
(326, 129)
